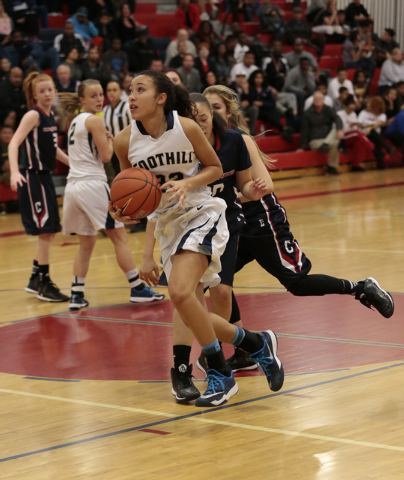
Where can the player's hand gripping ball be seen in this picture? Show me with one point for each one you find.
(136, 192)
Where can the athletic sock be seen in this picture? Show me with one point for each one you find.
(235, 311)
(43, 273)
(181, 354)
(35, 269)
(353, 288)
(134, 280)
(78, 286)
(251, 343)
(215, 358)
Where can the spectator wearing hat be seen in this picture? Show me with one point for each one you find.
(141, 52)
(82, 25)
(298, 52)
(67, 40)
(297, 27)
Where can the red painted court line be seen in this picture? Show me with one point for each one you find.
(158, 432)
(12, 234)
(342, 190)
(296, 395)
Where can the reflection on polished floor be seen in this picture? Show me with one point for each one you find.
(87, 395)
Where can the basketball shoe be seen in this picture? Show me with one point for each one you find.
(220, 389)
(374, 296)
(268, 361)
(49, 292)
(240, 361)
(77, 302)
(33, 285)
(147, 294)
(183, 387)
(201, 363)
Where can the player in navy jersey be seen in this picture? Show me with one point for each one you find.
(267, 238)
(36, 191)
(189, 224)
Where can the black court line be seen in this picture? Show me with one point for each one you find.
(196, 414)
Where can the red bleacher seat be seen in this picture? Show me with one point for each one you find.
(251, 28)
(288, 15)
(373, 89)
(6, 194)
(146, 8)
(265, 38)
(330, 63)
(261, 127)
(275, 143)
(57, 21)
(351, 73)
(166, 29)
(332, 50)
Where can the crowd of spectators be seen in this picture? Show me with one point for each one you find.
(284, 92)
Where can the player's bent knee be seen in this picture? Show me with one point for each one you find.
(179, 294)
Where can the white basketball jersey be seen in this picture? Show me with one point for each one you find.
(170, 157)
(83, 155)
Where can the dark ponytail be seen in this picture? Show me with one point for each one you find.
(177, 96)
(219, 125)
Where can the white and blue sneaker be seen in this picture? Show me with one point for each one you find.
(147, 294)
(220, 389)
(77, 302)
(268, 361)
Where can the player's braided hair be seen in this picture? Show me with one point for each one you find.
(31, 82)
(236, 118)
(177, 96)
(219, 125)
(71, 101)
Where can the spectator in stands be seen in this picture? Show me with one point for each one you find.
(360, 147)
(392, 107)
(106, 29)
(322, 88)
(366, 34)
(246, 67)
(82, 25)
(64, 81)
(116, 61)
(355, 13)
(351, 50)
(372, 119)
(71, 60)
(18, 51)
(297, 27)
(6, 135)
(157, 65)
(395, 132)
(5, 25)
(361, 85)
(93, 68)
(301, 81)
(222, 64)
(172, 49)
(250, 111)
(241, 47)
(322, 130)
(141, 52)
(327, 21)
(341, 80)
(5, 67)
(231, 42)
(176, 62)
(126, 83)
(275, 66)
(314, 10)
(400, 94)
(298, 52)
(271, 19)
(13, 103)
(261, 96)
(125, 26)
(386, 42)
(339, 103)
(67, 40)
(392, 71)
(25, 18)
(342, 21)
(203, 64)
(188, 15)
(174, 76)
(190, 75)
(211, 79)
(96, 7)
(206, 34)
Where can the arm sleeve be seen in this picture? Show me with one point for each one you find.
(92, 29)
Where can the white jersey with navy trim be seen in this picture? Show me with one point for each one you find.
(170, 157)
(116, 118)
(84, 161)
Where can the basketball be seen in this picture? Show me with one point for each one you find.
(136, 192)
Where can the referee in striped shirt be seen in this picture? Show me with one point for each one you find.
(116, 116)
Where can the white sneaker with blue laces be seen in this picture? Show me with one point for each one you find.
(220, 389)
(147, 294)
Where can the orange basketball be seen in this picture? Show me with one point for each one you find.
(136, 192)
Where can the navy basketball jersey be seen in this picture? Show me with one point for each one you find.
(41, 143)
(234, 157)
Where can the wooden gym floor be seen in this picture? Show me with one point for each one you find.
(87, 395)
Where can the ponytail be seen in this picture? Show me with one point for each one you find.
(31, 82)
(236, 118)
(71, 101)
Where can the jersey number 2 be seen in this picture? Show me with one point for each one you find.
(71, 139)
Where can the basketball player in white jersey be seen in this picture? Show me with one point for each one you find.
(85, 206)
(189, 224)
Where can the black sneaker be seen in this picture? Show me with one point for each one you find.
(331, 171)
(358, 169)
(342, 147)
(287, 135)
(77, 302)
(374, 296)
(33, 285)
(324, 148)
(241, 361)
(49, 292)
(202, 364)
(183, 387)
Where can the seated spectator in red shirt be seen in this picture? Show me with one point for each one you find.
(188, 15)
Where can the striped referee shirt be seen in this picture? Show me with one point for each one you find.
(118, 118)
